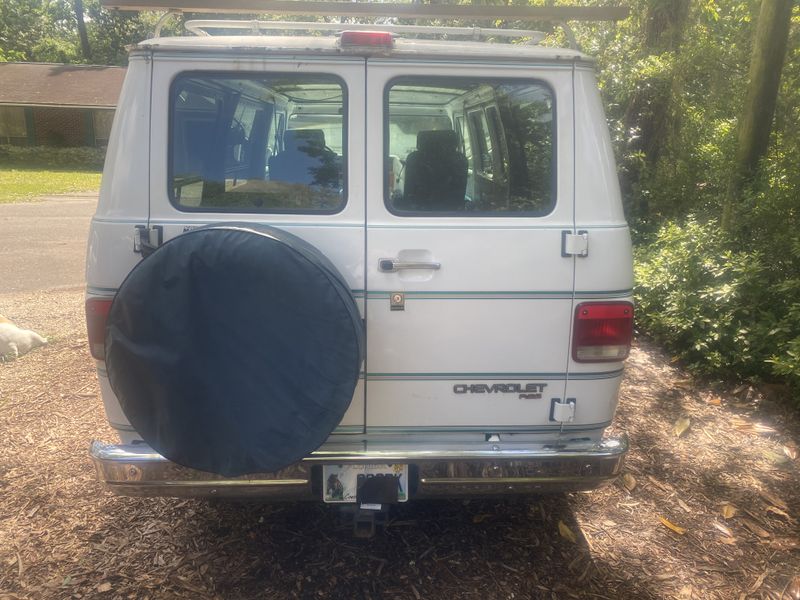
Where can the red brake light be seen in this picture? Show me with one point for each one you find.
(602, 331)
(367, 38)
(96, 315)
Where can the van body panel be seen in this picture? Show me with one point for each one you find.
(499, 308)
(597, 194)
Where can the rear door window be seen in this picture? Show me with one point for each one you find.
(258, 143)
(469, 146)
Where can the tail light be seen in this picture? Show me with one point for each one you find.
(383, 39)
(602, 331)
(96, 315)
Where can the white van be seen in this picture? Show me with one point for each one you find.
(358, 268)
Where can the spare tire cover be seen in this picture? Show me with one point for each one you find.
(234, 348)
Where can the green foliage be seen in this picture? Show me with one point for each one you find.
(725, 303)
(723, 308)
(46, 31)
(89, 159)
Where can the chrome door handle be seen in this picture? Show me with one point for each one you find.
(390, 265)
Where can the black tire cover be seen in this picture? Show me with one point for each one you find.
(234, 348)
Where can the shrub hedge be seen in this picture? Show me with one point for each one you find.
(84, 159)
(725, 309)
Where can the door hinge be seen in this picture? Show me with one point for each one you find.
(574, 244)
(562, 411)
(147, 239)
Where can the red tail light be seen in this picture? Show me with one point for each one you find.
(602, 331)
(96, 315)
(367, 38)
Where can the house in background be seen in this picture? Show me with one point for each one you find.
(44, 104)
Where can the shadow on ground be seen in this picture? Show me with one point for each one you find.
(433, 549)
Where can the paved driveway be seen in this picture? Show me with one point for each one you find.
(43, 244)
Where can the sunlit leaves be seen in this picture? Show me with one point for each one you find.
(670, 525)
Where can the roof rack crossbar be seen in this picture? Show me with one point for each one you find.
(321, 8)
(200, 27)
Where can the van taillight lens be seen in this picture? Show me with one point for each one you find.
(96, 315)
(367, 38)
(602, 331)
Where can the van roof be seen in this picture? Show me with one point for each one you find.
(328, 45)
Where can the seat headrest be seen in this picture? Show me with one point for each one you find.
(300, 139)
(437, 140)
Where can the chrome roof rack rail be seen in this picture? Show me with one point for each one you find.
(321, 8)
(201, 27)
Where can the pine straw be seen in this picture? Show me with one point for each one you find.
(61, 536)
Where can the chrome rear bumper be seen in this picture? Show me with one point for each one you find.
(137, 470)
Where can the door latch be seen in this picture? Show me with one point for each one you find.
(574, 244)
(562, 411)
(147, 239)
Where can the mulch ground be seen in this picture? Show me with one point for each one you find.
(707, 506)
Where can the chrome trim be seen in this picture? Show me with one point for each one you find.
(484, 469)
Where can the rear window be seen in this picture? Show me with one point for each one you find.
(464, 147)
(258, 143)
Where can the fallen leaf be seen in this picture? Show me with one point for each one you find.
(104, 587)
(779, 512)
(480, 518)
(676, 528)
(681, 425)
(771, 498)
(739, 389)
(786, 543)
(566, 532)
(713, 401)
(629, 481)
(728, 540)
(748, 426)
(774, 457)
(729, 510)
(723, 529)
(755, 528)
(684, 506)
(790, 450)
(758, 582)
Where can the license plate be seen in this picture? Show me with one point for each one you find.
(340, 482)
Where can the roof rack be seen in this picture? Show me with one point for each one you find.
(201, 27)
(321, 8)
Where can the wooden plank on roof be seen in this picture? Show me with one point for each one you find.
(469, 12)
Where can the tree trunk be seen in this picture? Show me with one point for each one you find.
(755, 121)
(86, 50)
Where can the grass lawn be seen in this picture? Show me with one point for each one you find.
(20, 183)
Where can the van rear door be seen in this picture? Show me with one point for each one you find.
(469, 300)
(279, 141)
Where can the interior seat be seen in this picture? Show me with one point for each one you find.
(305, 159)
(436, 173)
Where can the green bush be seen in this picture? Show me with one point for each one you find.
(720, 306)
(86, 159)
